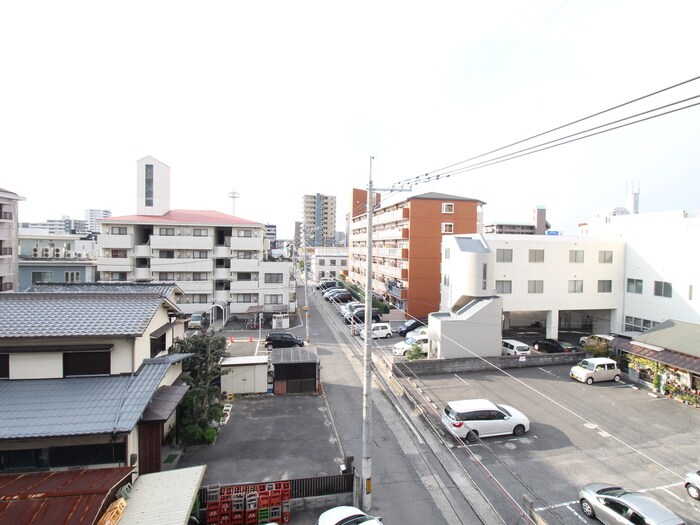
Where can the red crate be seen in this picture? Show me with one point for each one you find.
(237, 516)
(251, 517)
(263, 500)
(286, 517)
(275, 512)
(275, 497)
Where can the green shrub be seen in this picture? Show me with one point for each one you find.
(192, 434)
(209, 435)
(414, 352)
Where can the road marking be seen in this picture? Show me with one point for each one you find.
(548, 372)
(462, 380)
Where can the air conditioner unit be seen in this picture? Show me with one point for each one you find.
(57, 252)
(68, 254)
(80, 255)
(35, 252)
(46, 252)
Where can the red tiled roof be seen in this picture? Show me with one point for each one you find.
(183, 217)
(69, 497)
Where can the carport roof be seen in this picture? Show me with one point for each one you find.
(75, 406)
(295, 354)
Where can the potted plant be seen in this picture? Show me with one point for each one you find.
(657, 382)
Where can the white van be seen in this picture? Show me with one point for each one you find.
(595, 369)
(513, 347)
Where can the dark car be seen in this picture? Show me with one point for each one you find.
(341, 297)
(409, 326)
(282, 340)
(329, 284)
(552, 346)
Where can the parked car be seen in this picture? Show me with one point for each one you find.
(595, 339)
(596, 369)
(423, 330)
(332, 290)
(347, 516)
(348, 307)
(328, 284)
(552, 346)
(379, 330)
(404, 346)
(692, 484)
(282, 340)
(513, 347)
(409, 326)
(475, 418)
(613, 505)
(197, 320)
(358, 315)
(342, 297)
(324, 280)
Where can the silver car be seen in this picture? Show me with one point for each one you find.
(692, 484)
(613, 505)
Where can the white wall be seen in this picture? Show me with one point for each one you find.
(476, 335)
(41, 365)
(161, 187)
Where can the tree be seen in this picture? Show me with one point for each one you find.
(202, 373)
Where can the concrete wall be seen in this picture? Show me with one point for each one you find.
(474, 364)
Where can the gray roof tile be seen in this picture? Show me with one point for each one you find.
(76, 315)
(164, 289)
(79, 405)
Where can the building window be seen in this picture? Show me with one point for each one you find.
(118, 230)
(42, 277)
(247, 298)
(274, 277)
(244, 255)
(200, 298)
(4, 366)
(273, 299)
(199, 276)
(448, 207)
(634, 286)
(71, 277)
(662, 289)
(447, 227)
(536, 256)
(149, 185)
(200, 232)
(321, 262)
(446, 279)
(86, 364)
(535, 287)
(199, 254)
(447, 253)
(117, 276)
(343, 262)
(245, 233)
(605, 256)
(168, 232)
(117, 254)
(166, 254)
(244, 276)
(504, 255)
(166, 276)
(605, 286)
(503, 287)
(575, 286)
(575, 256)
(484, 273)
(638, 325)
(690, 292)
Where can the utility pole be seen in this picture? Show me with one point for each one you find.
(306, 289)
(367, 386)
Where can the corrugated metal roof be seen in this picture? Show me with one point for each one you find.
(163, 289)
(295, 354)
(164, 402)
(163, 497)
(665, 357)
(78, 406)
(204, 217)
(73, 497)
(678, 336)
(27, 315)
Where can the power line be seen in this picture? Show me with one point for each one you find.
(436, 173)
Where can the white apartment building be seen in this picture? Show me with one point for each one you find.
(215, 258)
(318, 220)
(328, 262)
(92, 216)
(9, 275)
(630, 273)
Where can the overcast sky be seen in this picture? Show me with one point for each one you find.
(277, 99)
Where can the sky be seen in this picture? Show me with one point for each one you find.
(278, 99)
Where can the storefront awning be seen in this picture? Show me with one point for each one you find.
(665, 357)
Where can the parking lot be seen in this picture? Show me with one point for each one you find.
(609, 432)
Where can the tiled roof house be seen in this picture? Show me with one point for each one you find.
(87, 377)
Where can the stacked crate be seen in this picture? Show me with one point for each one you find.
(248, 504)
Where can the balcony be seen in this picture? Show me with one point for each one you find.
(391, 253)
(110, 241)
(398, 292)
(181, 242)
(143, 274)
(182, 265)
(142, 250)
(392, 233)
(245, 265)
(222, 273)
(110, 264)
(198, 287)
(391, 271)
(247, 243)
(245, 286)
(222, 295)
(222, 252)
